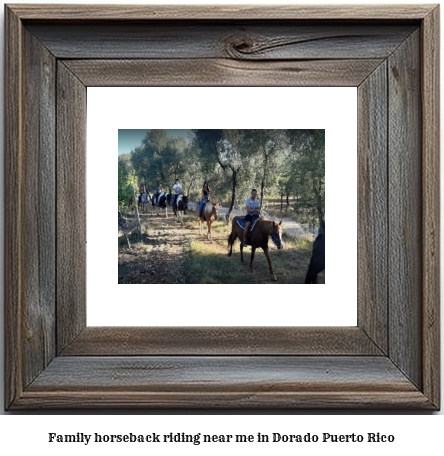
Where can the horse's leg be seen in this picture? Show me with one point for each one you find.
(253, 249)
(267, 254)
(231, 238)
(242, 252)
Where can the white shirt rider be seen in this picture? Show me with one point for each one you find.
(177, 189)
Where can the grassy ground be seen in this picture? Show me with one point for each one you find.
(173, 253)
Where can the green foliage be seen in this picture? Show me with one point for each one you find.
(163, 159)
(126, 179)
(308, 175)
(288, 163)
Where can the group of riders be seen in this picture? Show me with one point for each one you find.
(252, 204)
(253, 207)
(171, 199)
(160, 197)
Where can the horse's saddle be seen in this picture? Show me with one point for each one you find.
(241, 222)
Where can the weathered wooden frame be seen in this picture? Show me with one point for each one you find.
(390, 360)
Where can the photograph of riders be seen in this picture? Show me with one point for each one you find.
(267, 192)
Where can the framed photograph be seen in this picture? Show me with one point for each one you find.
(59, 56)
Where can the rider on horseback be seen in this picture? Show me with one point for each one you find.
(205, 197)
(177, 189)
(142, 190)
(159, 190)
(253, 211)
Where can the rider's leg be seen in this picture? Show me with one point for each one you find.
(247, 226)
(201, 205)
(175, 203)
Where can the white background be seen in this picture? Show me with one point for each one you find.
(329, 108)
(19, 434)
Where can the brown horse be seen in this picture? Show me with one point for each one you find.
(210, 213)
(258, 238)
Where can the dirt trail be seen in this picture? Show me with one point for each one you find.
(158, 259)
(163, 252)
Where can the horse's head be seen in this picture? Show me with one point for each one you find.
(276, 234)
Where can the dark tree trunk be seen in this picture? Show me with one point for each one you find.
(287, 199)
(233, 195)
(282, 202)
(262, 192)
(139, 228)
(264, 176)
(189, 186)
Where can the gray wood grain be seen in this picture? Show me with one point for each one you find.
(344, 399)
(430, 94)
(38, 207)
(13, 210)
(221, 72)
(219, 12)
(407, 378)
(171, 373)
(372, 206)
(405, 209)
(127, 341)
(71, 206)
(263, 40)
(202, 381)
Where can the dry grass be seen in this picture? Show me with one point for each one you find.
(173, 253)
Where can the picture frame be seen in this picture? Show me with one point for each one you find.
(389, 360)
